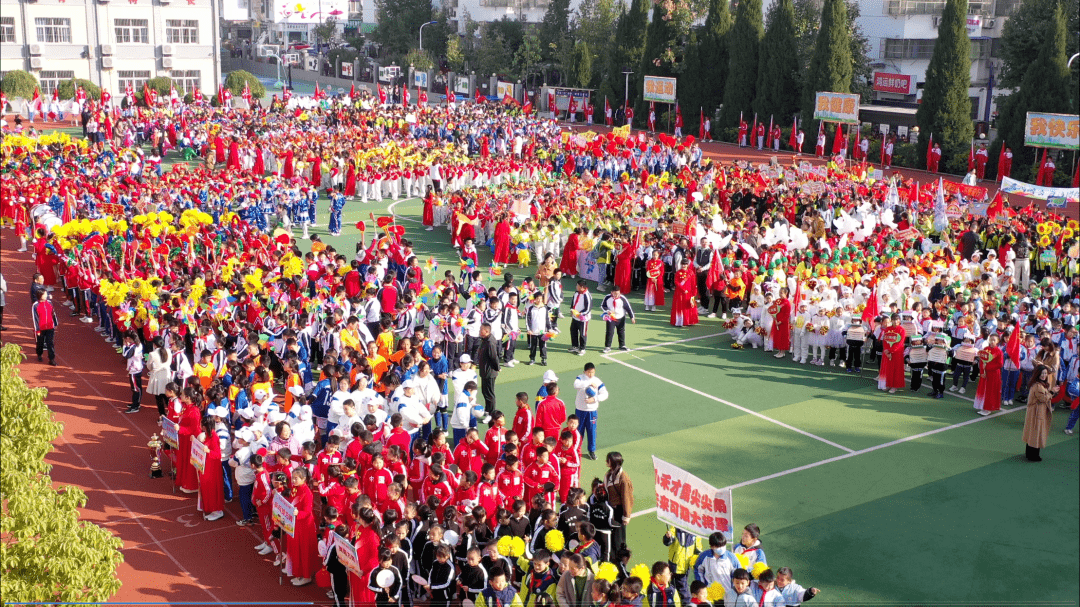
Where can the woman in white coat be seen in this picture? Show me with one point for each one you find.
(160, 371)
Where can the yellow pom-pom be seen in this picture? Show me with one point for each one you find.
(744, 562)
(642, 572)
(517, 547)
(503, 545)
(607, 571)
(554, 540)
(716, 592)
(758, 569)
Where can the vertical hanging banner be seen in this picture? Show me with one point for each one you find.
(689, 503)
(837, 107)
(1061, 131)
(660, 89)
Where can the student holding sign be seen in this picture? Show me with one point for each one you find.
(303, 544)
(187, 477)
(211, 483)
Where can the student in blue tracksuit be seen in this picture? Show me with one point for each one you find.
(716, 564)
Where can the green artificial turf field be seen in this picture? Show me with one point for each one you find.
(874, 498)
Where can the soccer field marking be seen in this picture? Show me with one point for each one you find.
(137, 516)
(892, 443)
(730, 404)
(670, 343)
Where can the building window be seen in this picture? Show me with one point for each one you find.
(132, 31)
(935, 7)
(50, 80)
(182, 31)
(135, 78)
(56, 30)
(7, 29)
(186, 81)
(1005, 8)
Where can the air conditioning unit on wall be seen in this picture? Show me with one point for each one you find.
(167, 63)
(106, 63)
(106, 49)
(936, 19)
(989, 24)
(35, 63)
(166, 49)
(35, 49)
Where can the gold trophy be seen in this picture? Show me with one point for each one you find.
(155, 462)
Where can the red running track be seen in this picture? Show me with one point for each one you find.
(171, 555)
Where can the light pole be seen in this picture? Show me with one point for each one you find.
(626, 91)
(422, 33)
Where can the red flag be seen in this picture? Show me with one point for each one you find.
(930, 152)
(479, 98)
(838, 139)
(871, 310)
(352, 91)
(148, 96)
(753, 132)
(552, 107)
(1012, 348)
(701, 124)
(678, 115)
(527, 108)
(450, 96)
(319, 94)
(793, 141)
(35, 101)
(971, 157)
(1042, 170)
(382, 94)
(768, 134)
(405, 96)
(1002, 168)
(56, 94)
(996, 207)
(913, 195)
(1076, 176)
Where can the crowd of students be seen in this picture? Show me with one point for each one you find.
(345, 380)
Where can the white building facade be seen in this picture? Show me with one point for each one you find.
(902, 36)
(113, 43)
(486, 11)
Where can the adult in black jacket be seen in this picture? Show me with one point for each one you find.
(487, 361)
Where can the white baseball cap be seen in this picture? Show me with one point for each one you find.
(549, 376)
(465, 358)
(408, 384)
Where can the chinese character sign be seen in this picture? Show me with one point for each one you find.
(284, 514)
(892, 83)
(346, 553)
(661, 90)
(198, 455)
(689, 503)
(1060, 131)
(837, 107)
(170, 432)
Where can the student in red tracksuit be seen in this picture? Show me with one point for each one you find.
(511, 482)
(495, 437)
(471, 452)
(436, 485)
(523, 418)
(376, 481)
(551, 412)
(569, 459)
(538, 475)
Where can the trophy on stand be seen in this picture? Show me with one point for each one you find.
(155, 462)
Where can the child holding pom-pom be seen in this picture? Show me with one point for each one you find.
(683, 549)
(660, 592)
(794, 594)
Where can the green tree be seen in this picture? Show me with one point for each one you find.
(46, 553)
(830, 65)
(862, 69)
(659, 55)
(1022, 37)
(629, 45)
(66, 89)
(326, 31)
(778, 91)
(555, 29)
(18, 83)
(492, 57)
(594, 24)
(527, 57)
(744, 44)
(235, 83)
(162, 85)
(706, 65)
(1045, 88)
(399, 24)
(420, 60)
(455, 55)
(945, 110)
(581, 66)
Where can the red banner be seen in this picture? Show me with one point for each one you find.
(967, 191)
(892, 83)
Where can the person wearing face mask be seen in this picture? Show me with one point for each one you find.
(716, 564)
